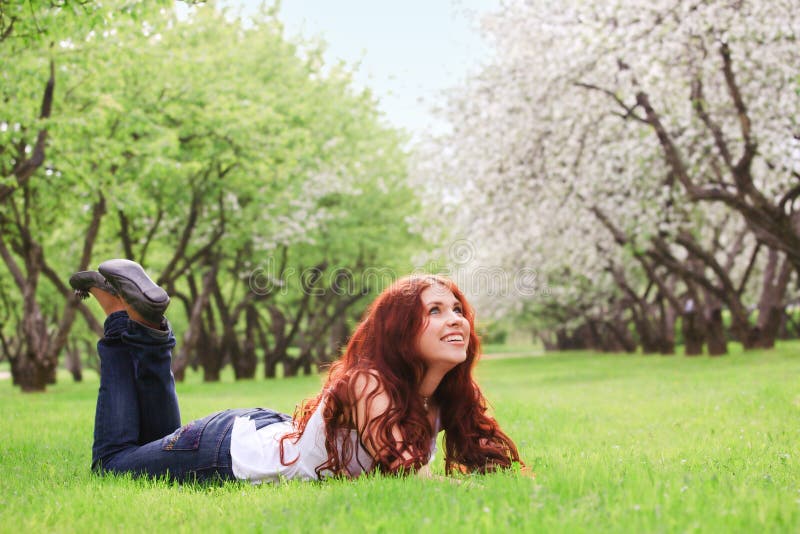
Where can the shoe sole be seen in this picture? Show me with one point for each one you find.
(143, 293)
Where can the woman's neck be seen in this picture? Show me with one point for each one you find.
(430, 380)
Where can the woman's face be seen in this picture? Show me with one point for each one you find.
(444, 337)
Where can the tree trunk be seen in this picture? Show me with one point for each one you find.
(278, 353)
(546, 338)
(338, 337)
(34, 370)
(593, 339)
(209, 350)
(770, 307)
(196, 335)
(211, 373)
(562, 339)
(290, 367)
(748, 335)
(265, 348)
(646, 337)
(575, 340)
(666, 332)
(619, 329)
(788, 329)
(693, 328)
(73, 362)
(211, 355)
(271, 361)
(284, 339)
(715, 333)
(608, 343)
(35, 365)
(29, 374)
(244, 359)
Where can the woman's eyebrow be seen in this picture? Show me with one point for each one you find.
(440, 303)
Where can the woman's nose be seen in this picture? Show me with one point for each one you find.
(454, 318)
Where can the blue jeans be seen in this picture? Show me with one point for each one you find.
(137, 425)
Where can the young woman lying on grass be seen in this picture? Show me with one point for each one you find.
(405, 375)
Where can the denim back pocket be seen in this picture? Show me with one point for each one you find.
(187, 437)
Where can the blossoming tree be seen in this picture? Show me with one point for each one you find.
(649, 148)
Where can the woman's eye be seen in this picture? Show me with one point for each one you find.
(433, 310)
(458, 310)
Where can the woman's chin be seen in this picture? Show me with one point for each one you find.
(455, 359)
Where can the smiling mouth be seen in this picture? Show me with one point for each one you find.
(453, 339)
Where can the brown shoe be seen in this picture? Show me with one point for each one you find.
(136, 288)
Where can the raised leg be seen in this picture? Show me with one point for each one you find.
(137, 423)
(159, 413)
(116, 420)
(137, 426)
(136, 403)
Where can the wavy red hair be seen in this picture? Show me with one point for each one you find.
(383, 352)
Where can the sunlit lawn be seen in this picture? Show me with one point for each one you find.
(619, 443)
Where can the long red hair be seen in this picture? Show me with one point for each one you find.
(383, 351)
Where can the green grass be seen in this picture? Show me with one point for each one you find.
(515, 348)
(618, 443)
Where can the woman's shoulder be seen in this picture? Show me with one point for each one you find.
(367, 377)
(369, 386)
(362, 380)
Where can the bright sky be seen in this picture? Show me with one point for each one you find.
(409, 51)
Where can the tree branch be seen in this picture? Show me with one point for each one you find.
(55, 279)
(698, 103)
(188, 229)
(150, 234)
(671, 152)
(98, 211)
(687, 241)
(630, 111)
(9, 29)
(125, 234)
(25, 168)
(11, 264)
(662, 255)
(789, 197)
(750, 265)
(750, 146)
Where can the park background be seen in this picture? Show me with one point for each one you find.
(612, 183)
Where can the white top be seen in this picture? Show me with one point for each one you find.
(256, 454)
